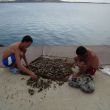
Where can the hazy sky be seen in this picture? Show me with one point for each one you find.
(88, 0)
(76, 0)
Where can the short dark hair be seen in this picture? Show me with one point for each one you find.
(27, 38)
(81, 50)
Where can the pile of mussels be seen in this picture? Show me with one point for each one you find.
(48, 70)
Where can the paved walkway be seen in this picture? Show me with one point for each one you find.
(14, 95)
(14, 91)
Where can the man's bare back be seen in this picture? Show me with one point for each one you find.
(13, 49)
(92, 59)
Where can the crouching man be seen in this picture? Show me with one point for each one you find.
(15, 52)
(86, 63)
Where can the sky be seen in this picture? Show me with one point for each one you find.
(108, 1)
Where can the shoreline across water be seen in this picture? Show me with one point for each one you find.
(103, 51)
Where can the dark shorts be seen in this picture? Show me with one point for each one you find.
(10, 60)
(91, 71)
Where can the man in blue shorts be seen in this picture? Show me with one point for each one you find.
(15, 52)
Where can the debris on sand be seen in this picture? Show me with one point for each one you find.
(31, 91)
(49, 70)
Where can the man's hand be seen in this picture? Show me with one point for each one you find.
(81, 64)
(33, 76)
(27, 66)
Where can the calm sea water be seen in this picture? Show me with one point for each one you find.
(55, 23)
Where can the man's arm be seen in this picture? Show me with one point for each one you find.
(21, 67)
(25, 59)
(69, 62)
(76, 60)
(81, 64)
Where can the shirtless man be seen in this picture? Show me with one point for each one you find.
(87, 63)
(14, 53)
(86, 60)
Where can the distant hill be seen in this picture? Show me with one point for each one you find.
(37, 0)
(4, 1)
(21, 1)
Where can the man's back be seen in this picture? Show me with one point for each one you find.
(92, 59)
(11, 49)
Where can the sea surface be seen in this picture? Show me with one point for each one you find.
(55, 23)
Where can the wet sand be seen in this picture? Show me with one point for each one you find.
(102, 51)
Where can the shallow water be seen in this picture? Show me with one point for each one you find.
(55, 23)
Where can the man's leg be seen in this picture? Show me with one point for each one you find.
(13, 70)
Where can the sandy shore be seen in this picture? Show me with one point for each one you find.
(103, 52)
(14, 91)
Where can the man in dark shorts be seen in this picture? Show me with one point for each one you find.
(87, 62)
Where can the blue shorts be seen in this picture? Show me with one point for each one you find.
(9, 60)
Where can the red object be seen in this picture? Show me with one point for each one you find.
(91, 71)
